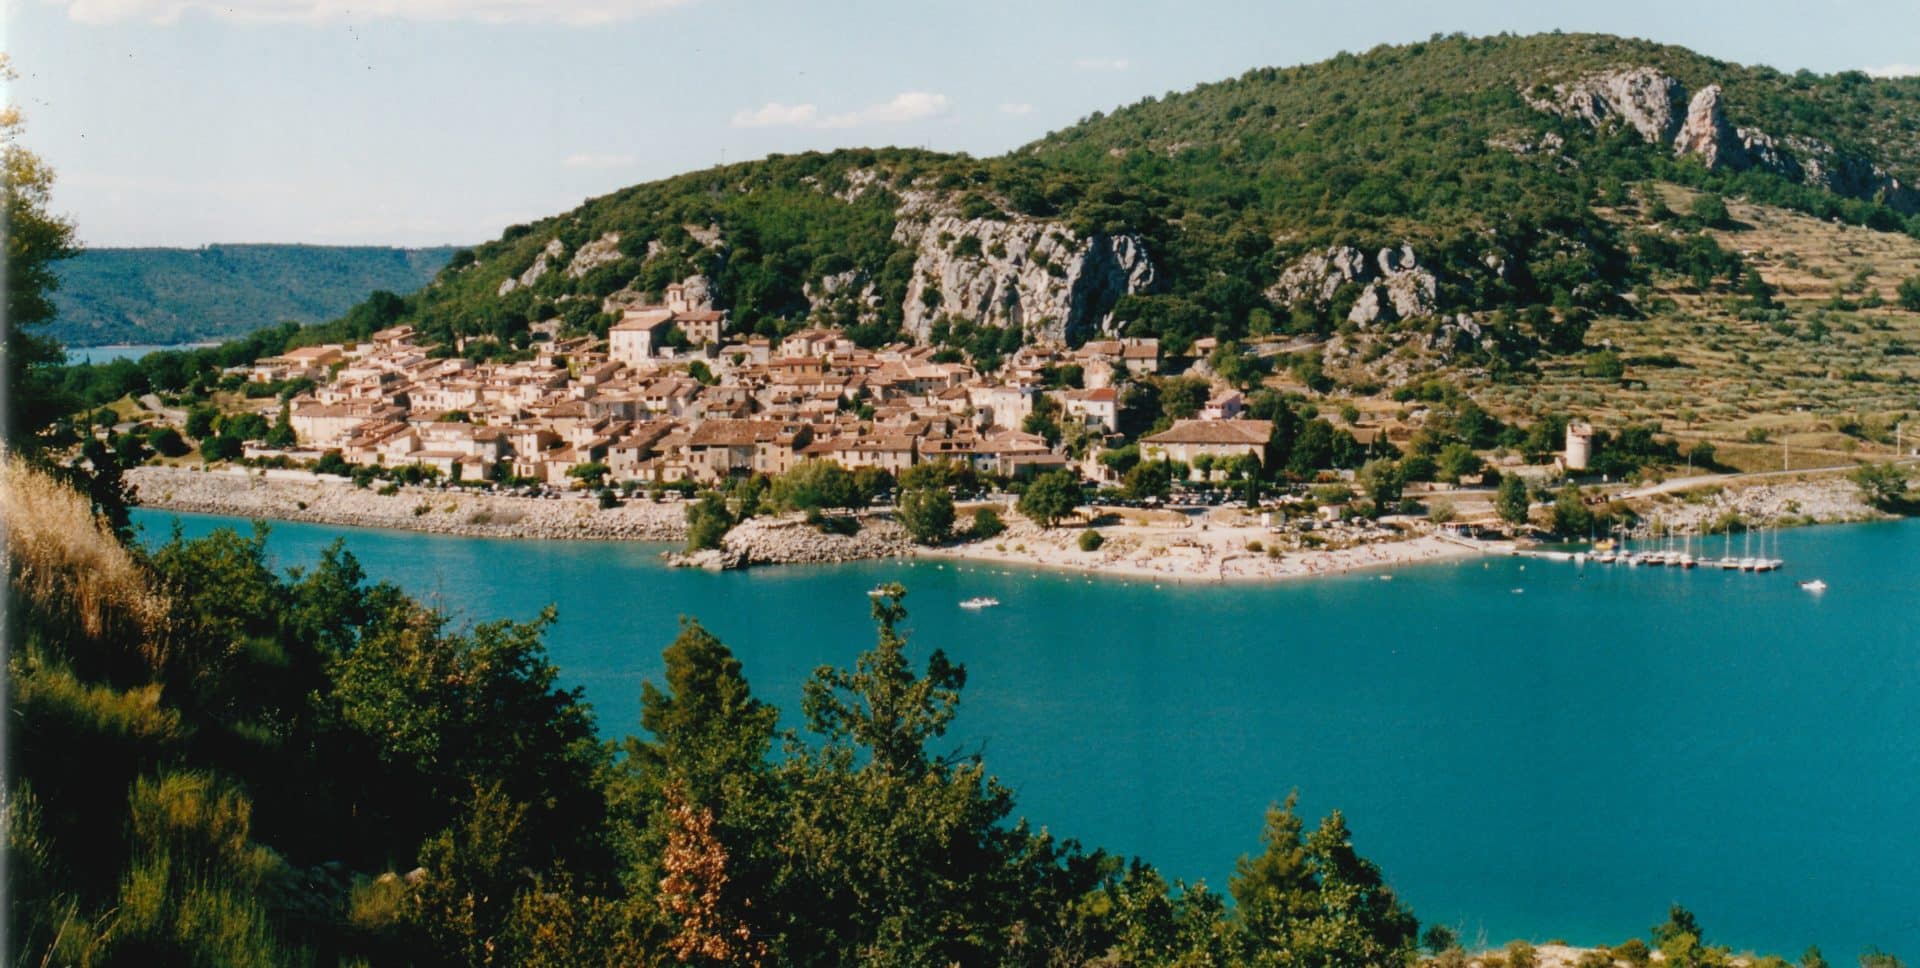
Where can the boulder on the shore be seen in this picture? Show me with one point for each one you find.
(712, 559)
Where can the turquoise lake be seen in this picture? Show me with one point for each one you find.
(1528, 749)
(107, 354)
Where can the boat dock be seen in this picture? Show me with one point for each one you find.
(1630, 559)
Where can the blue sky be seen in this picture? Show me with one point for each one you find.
(184, 122)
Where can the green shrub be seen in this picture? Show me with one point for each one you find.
(987, 523)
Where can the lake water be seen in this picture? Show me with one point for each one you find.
(1528, 749)
(107, 354)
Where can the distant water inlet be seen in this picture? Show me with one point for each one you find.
(107, 354)
(1563, 763)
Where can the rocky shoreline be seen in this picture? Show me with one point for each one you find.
(790, 540)
(1213, 547)
(320, 499)
(1825, 500)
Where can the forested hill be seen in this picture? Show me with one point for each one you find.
(167, 295)
(1467, 190)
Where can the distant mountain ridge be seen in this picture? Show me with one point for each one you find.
(179, 295)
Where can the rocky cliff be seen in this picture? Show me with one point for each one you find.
(1035, 275)
(1390, 286)
(1647, 100)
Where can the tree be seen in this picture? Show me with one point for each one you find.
(871, 482)
(815, 485)
(1091, 540)
(1315, 901)
(1455, 461)
(200, 422)
(1050, 497)
(222, 447)
(444, 714)
(927, 514)
(1044, 420)
(708, 521)
(1384, 482)
(1710, 210)
(1704, 455)
(1203, 464)
(167, 442)
(1571, 516)
(986, 524)
(1246, 469)
(1909, 295)
(1438, 938)
(708, 785)
(281, 433)
(35, 240)
(878, 814)
(1883, 486)
(588, 473)
(1149, 479)
(1510, 500)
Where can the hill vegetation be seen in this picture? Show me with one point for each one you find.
(1446, 147)
(161, 296)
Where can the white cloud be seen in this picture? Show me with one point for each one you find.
(1016, 109)
(1895, 70)
(774, 114)
(1101, 63)
(903, 108)
(588, 159)
(572, 12)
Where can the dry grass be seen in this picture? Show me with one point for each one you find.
(1830, 382)
(66, 567)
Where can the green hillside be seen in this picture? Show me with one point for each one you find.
(164, 295)
(1441, 146)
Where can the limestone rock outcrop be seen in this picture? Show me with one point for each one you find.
(1394, 286)
(1647, 100)
(604, 250)
(1644, 99)
(843, 297)
(541, 265)
(1707, 133)
(1034, 274)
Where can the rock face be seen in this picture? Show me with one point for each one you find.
(541, 264)
(844, 297)
(604, 250)
(1032, 274)
(1647, 99)
(1707, 133)
(1642, 98)
(1394, 285)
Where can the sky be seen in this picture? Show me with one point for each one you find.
(422, 122)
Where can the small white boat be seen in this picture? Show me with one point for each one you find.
(1815, 585)
(876, 591)
(980, 602)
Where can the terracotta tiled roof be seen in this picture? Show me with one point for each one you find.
(1214, 432)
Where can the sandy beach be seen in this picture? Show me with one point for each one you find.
(1203, 546)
